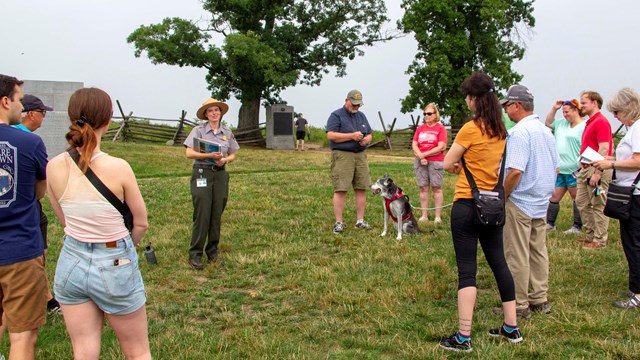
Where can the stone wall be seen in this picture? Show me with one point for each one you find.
(56, 124)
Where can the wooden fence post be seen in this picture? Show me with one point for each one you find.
(179, 131)
(387, 134)
(125, 121)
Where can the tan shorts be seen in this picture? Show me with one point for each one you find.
(23, 295)
(430, 175)
(349, 169)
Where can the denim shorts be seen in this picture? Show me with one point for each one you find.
(108, 276)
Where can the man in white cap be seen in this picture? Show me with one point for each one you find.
(349, 134)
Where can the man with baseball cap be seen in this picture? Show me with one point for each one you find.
(531, 165)
(33, 114)
(349, 134)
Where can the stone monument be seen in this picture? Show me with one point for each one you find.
(280, 127)
(56, 124)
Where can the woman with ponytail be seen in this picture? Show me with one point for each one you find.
(481, 142)
(97, 275)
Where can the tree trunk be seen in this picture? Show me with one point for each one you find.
(248, 120)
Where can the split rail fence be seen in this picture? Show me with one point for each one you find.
(401, 139)
(140, 129)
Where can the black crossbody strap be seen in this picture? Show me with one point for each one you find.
(472, 182)
(123, 208)
(634, 181)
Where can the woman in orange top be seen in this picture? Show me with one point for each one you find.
(481, 142)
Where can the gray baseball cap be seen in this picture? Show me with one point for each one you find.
(517, 93)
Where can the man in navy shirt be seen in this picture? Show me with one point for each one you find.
(349, 135)
(33, 114)
(23, 287)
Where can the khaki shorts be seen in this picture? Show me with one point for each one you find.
(23, 295)
(430, 175)
(349, 169)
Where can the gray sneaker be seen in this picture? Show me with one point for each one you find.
(524, 313)
(363, 225)
(630, 303)
(544, 307)
(338, 228)
(573, 231)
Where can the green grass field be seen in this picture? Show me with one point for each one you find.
(291, 289)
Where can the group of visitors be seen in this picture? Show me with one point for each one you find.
(541, 167)
(98, 247)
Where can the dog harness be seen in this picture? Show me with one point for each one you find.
(387, 203)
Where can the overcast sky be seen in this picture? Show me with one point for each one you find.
(575, 45)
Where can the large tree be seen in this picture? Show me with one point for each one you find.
(254, 49)
(456, 37)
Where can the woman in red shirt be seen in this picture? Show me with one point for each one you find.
(428, 145)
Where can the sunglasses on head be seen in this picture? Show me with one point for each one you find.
(427, 113)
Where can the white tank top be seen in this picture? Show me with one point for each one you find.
(88, 215)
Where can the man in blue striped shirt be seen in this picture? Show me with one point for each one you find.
(532, 163)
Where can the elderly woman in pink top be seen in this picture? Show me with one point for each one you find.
(97, 274)
(428, 145)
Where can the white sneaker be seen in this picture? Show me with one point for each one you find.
(550, 227)
(573, 231)
(423, 219)
(437, 221)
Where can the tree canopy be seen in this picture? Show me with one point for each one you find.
(254, 49)
(456, 37)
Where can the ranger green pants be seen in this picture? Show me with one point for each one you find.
(208, 205)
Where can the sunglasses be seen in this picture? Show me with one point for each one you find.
(427, 113)
(506, 105)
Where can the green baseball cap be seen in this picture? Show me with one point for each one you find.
(355, 97)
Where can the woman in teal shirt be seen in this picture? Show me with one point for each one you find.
(568, 133)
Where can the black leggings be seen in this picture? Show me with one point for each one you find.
(465, 236)
(630, 239)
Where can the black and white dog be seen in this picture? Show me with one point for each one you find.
(396, 205)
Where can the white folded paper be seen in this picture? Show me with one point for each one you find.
(589, 155)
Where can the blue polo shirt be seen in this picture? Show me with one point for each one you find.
(23, 161)
(343, 121)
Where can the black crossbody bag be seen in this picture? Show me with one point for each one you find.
(122, 207)
(619, 198)
(489, 205)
